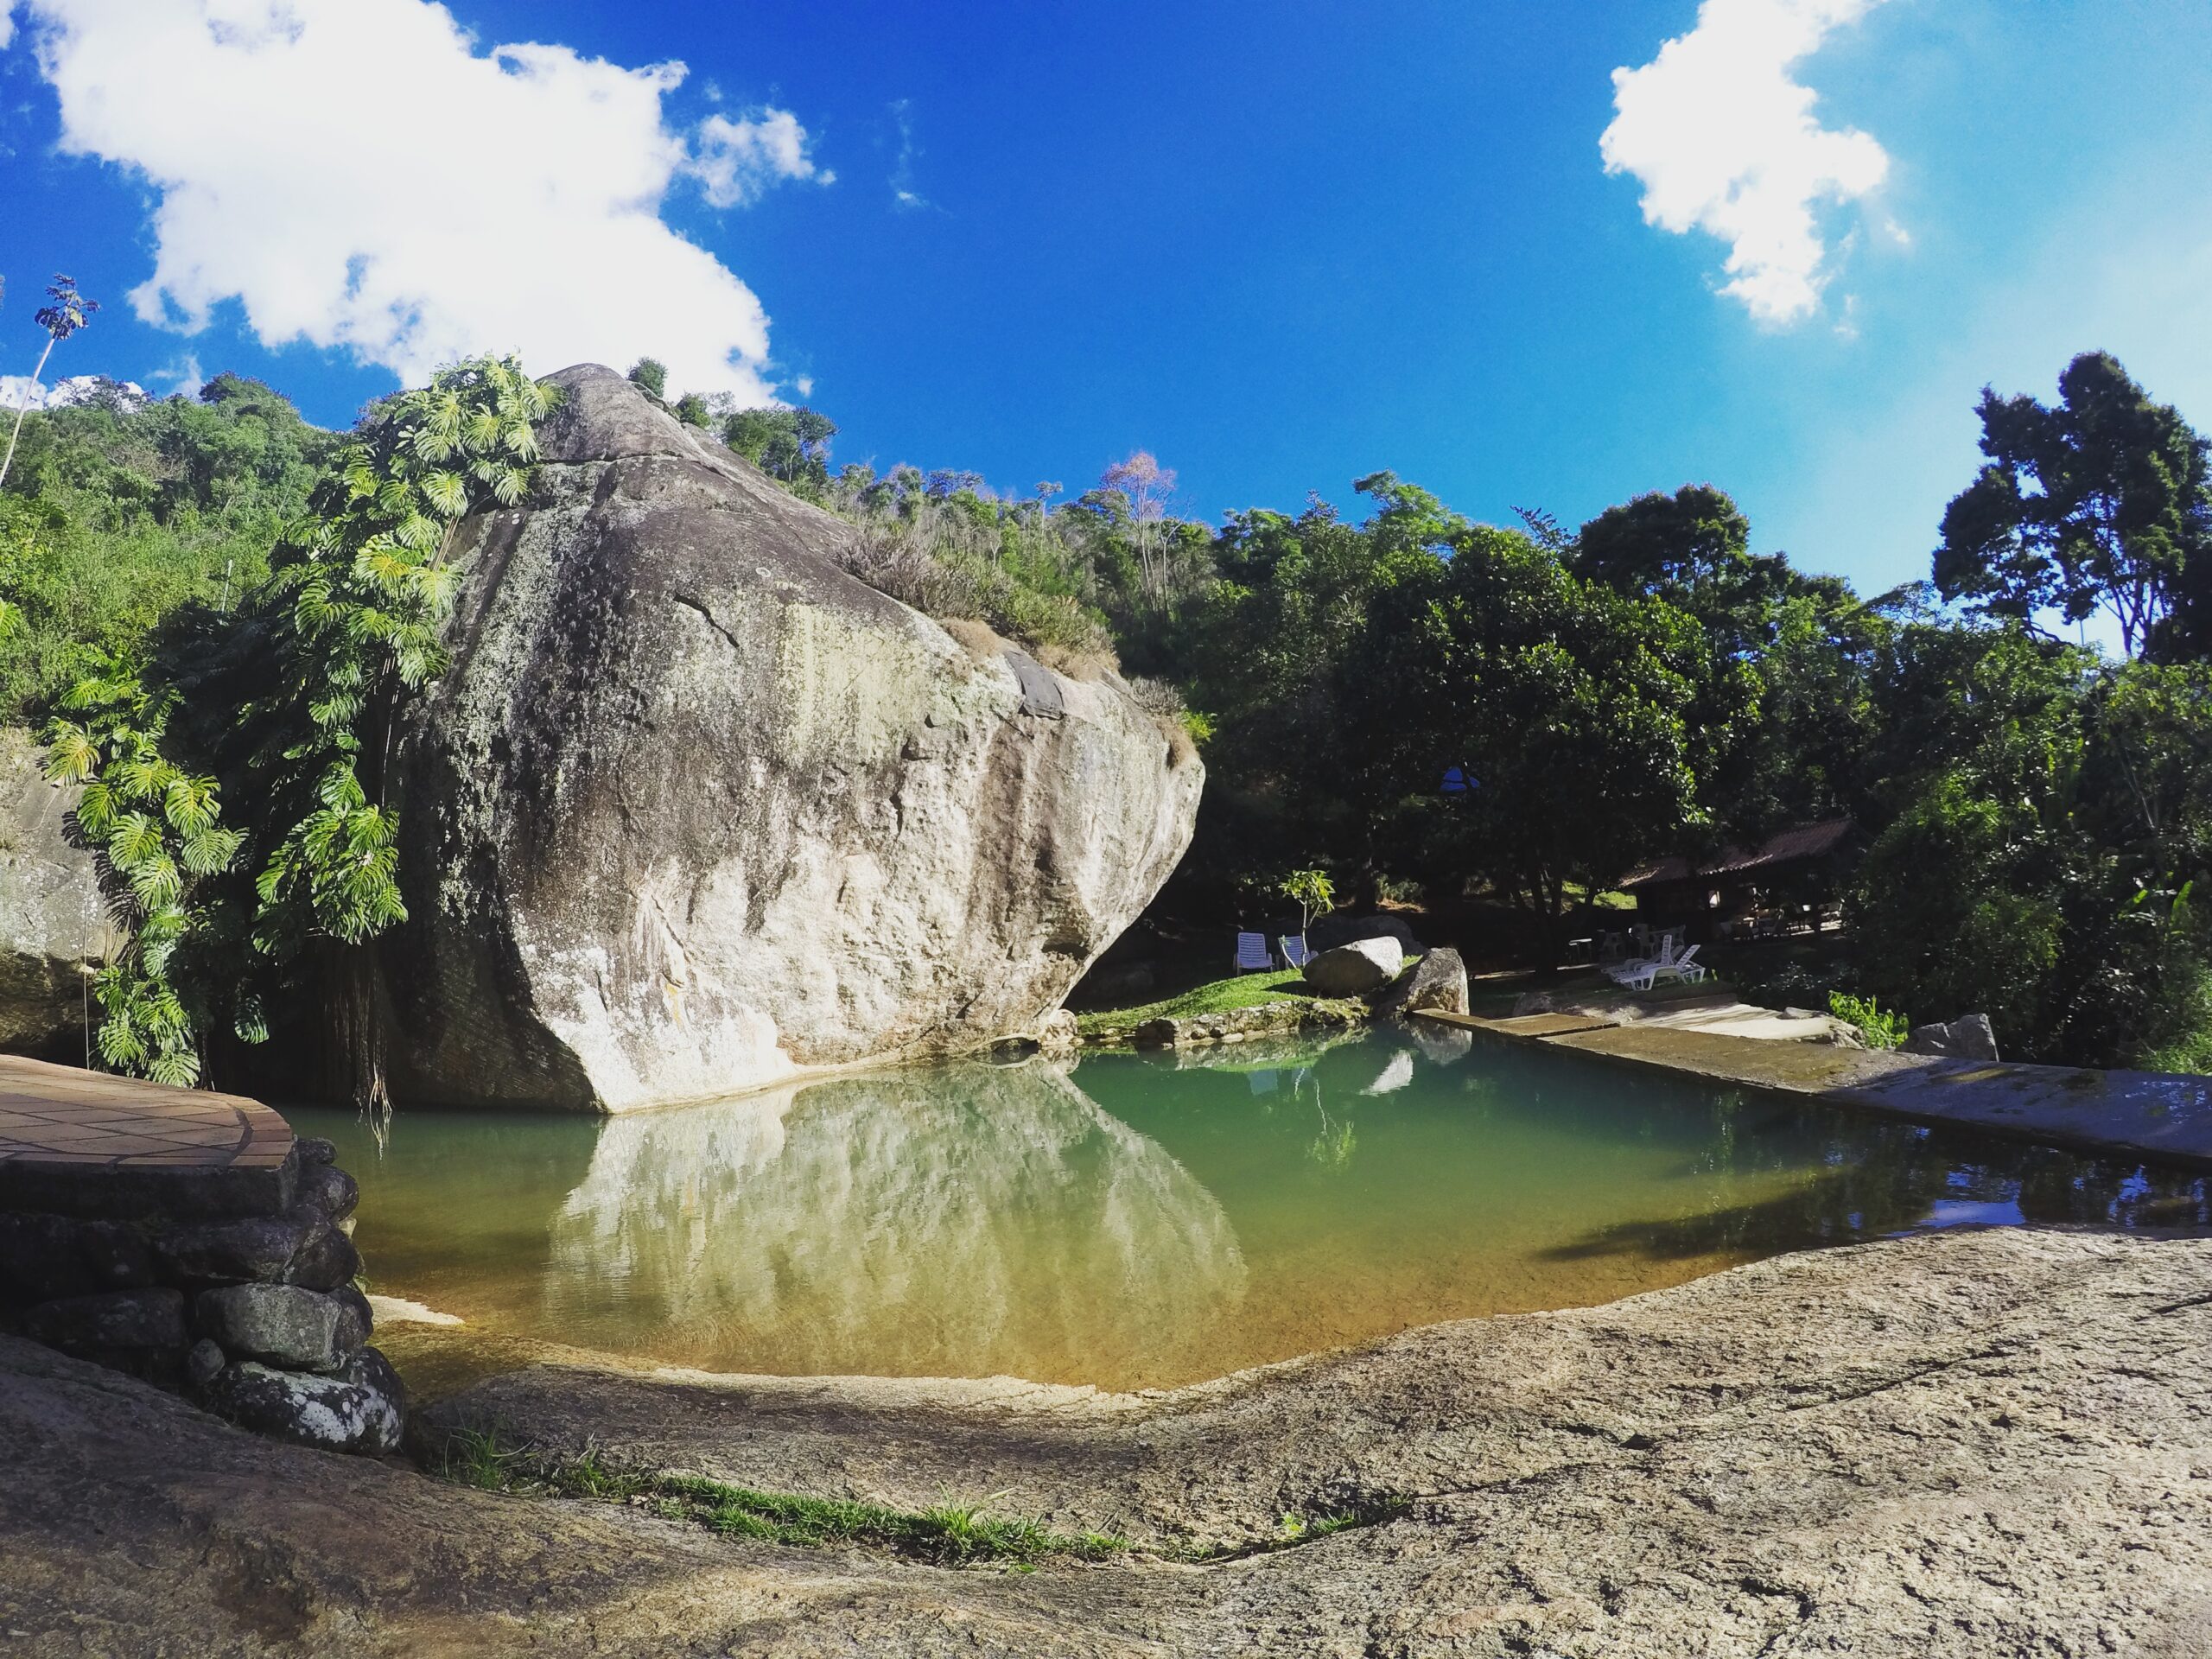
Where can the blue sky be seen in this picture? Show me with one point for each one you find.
(1279, 245)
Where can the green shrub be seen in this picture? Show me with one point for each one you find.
(1881, 1028)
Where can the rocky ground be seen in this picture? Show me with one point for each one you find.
(1982, 1443)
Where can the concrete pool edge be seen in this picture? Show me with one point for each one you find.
(2165, 1117)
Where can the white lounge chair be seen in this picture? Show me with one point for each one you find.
(1252, 956)
(1641, 974)
(1295, 953)
(1685, 967)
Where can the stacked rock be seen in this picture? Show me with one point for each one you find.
(256, 1317)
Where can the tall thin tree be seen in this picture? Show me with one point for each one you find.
(67, 311)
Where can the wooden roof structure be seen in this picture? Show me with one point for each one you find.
(1789, 846)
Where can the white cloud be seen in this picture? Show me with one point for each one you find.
(19, 391)
(902, 170)
(738, 160)
(183, 378)
(359, 176)
(1726, 140)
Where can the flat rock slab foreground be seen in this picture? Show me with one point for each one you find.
(85, 1143)
(2160, 1115)
(1975, 1444)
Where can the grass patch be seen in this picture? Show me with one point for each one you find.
(948, 1535)
(1218, 996)
(951, 1533)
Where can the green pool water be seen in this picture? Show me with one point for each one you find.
(1130, 1222)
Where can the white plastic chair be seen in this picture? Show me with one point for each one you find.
(1640, 975)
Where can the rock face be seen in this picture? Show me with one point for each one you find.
(1959, 1447)
(1355, 969)
(52, 922)
(695, 809)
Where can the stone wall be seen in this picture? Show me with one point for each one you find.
(1245, 1025)
(246, 1305)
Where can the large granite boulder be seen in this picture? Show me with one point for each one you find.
(694, 809)
(1355, 969)
(1438, 983)
(53, 925)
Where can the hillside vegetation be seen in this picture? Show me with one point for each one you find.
(119, 509)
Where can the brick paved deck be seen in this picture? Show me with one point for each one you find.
(85, 1142)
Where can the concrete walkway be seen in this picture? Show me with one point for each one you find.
(86, 1143)
(2153, 1115)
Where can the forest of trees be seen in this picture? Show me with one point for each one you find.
(2036, 815)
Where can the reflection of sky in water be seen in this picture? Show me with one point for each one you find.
(1151, 1220)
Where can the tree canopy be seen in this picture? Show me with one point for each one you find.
(2101, 502)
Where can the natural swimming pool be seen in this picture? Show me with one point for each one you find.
(1134, 1222)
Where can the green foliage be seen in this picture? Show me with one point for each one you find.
(1569, 702)
(791, 445)
(120, 510)
(2101, 502)
(66, 310)
(290, 699)
(692, 409)
(941, 544)
(650, 375)
(2036, 820)
(1311, 892)
(157, 834)
(349, 619)
(1881, 1028)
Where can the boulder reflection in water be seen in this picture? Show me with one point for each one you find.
(961, 1222)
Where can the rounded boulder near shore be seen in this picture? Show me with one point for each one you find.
(695, 809)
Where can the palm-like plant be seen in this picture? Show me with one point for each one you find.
(157, 831)
(64, 313)
(355, 605)
(308, 673)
